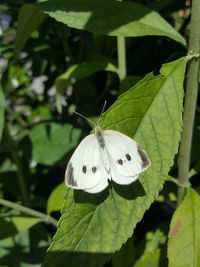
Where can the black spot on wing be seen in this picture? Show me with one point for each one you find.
(84, 169)
(128, 157)
(120, 161)
(94, 169)
(143, 156)
(70, 176)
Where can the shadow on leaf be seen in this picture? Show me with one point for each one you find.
(129, 192)
(81, 196)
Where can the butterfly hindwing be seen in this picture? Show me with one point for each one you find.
(103, 182)
(118, 178)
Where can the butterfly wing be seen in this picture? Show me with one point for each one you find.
(83, 170)
(127, 159)
(103, 182)
(119, 178)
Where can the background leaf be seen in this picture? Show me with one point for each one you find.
(79, 71)
(51, 141)
(184, 235)
(92, 227)
(110, 17)
(149, 259)
(15, 224)
(25, 249)
(30, 18)
(56, 199)
(151, 255)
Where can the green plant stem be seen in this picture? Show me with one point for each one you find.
(121, 50)
(190, 101)
(46, 218)
(21, 178)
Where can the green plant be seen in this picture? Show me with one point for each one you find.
(74, 55)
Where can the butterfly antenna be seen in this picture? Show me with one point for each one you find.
(102, 112)
(84, 118)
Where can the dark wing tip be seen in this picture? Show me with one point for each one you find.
(70, 176)
(143, 156)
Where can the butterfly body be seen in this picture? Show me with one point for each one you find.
(102, 156)
(102, 146)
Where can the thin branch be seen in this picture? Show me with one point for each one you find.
(46, 218)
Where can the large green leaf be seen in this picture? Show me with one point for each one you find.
(92, 227)
(2, 107)
(110, 17)
(30, 18)
(50, 141)
(184, 235)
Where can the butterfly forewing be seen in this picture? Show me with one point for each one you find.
(83, 170)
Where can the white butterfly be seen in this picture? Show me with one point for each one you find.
(102, 156)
